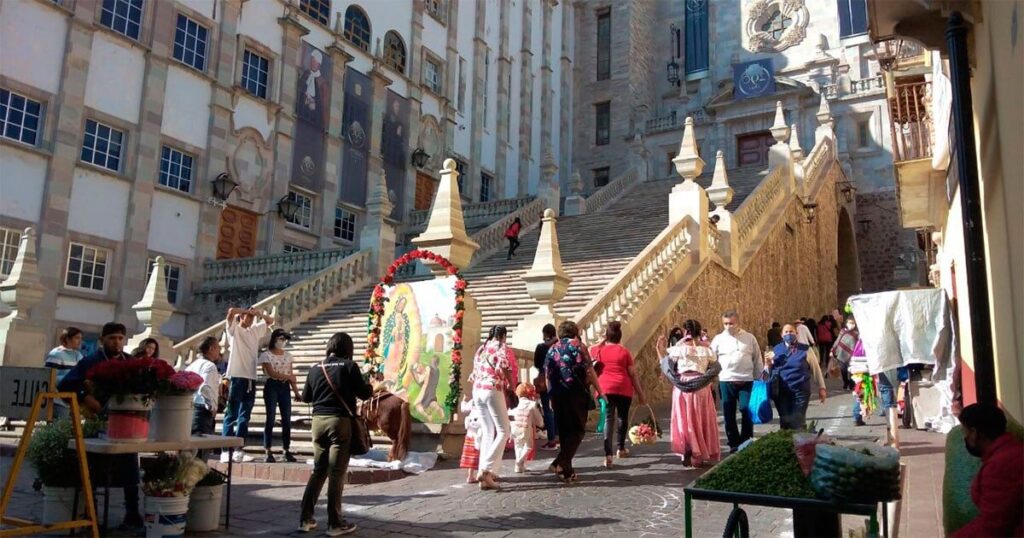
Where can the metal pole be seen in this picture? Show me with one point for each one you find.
(970, 205)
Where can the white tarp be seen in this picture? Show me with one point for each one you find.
(904, 327)
(414, 462)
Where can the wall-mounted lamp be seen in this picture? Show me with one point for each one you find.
(287, 207)
(420, 157)
(865, 225)
(848, 190)
(223, 186)
(672, 72)
(809, 211)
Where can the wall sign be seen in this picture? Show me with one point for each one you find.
(19, 387)
(753, 79)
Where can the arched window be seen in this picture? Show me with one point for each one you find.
(320, 10)
(357, 27)
(394, 51)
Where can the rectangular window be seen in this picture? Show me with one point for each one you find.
(190, 43)
(172, 279)
(485, 186)
(864, 134)
(87, 267)
(122, 16)
(102, 145)
(460, 167)
(320, 10)
(600, 177)
(853, 17)
(304, 216)
(435, 8)
(19, 117)
(461, 97)
(176, 169)
(603, 123)
(9, 241)
(255, 72)
(697, 38)
(432, 76)
(292, 249)
(604, 45)
(344, 224)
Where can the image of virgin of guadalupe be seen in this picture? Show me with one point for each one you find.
(396, 344)
(312, 99)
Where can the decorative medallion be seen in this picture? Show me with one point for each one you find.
(247, 163)
(308, 166)
(754, 79)
(356, 134)
(776, 25)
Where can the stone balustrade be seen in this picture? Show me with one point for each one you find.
(492, 237)
(614, 189)
(714, 236)
(631, 289)
(297, 302)
(474, 214)
(858, 87)
(272, 270)
(749, 216)
(659, 124)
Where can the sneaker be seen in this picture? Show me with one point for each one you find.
(269, 458)
(860, 422)
(241, 457)
(520, 468)
(289, 457)
(224, 456)
(307, 526)
(343, 529)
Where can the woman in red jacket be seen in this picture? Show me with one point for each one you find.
(512, 234)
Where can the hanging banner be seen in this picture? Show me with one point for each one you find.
(312, 111)
(753, 79)
(355, 131)
(393, 149)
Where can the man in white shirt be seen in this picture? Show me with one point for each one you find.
(205, 401)
(244, 337)
(740, 357)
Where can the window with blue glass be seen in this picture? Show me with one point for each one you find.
(123, 16)
(19, 117)
(697, 38)
(255, 72)
(344, 224)
(357, 27)
(853, 17)
(190, 43)
(485, 186)
(102, 145)
(176, 169)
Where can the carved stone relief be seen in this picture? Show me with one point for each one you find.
(775, 25)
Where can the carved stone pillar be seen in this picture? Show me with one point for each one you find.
(22, 291)
(779, 154)
(575, 203)
(688, 198)
(720, 194)
(376, 161)
(549, 188)
(377, 234)
(446, 230)
(825, 122)
(546, 282)
(153, 310)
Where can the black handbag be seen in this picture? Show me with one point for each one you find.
(361, 442)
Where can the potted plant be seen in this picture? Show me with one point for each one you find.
(204, 503)
(167, 482)
(171, 416)
(128, 387)
(57, 468)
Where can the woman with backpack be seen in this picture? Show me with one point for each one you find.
(512, 234)
(492, 377)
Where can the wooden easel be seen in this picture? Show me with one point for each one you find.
(25, 527)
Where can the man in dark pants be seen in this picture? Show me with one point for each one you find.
(125, 466)
(740, 357)
(204, 403)
(541, 351)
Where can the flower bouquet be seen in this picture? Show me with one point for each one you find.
(172, 475)
(120, 379)
(645, 432)
(171, 416)
(180, 384)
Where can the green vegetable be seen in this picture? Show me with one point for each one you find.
(767, 467)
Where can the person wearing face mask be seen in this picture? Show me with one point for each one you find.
(738, 353)
(277, 366)
(842, 350)
(998, 488)
(794, 367)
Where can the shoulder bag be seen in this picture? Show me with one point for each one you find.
(361, 441)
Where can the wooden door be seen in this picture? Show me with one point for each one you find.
(426, 186)
(752, 148)
(236, 237)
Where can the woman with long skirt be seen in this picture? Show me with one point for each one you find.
(691, 367)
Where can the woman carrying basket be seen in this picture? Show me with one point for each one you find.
(617, 377)
(691, 367)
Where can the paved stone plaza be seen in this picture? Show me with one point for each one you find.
(641, 497)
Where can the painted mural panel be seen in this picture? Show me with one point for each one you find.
(394, 144)
(312, 108)
(355, 129)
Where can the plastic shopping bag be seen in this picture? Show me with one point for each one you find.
(760, 404)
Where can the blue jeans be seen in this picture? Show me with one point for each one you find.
(792, 406)
(241, 398)
(887, 391)
(549, 417)
(277, 394)
(736, 394)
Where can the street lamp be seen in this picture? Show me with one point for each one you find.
(887, 52)
(223, 186)
(420, 157)
(673, 72)
(810, 209)
(848, 190)
(287, 207)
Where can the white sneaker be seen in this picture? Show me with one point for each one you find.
(307, 526)
(241, 457)
(520, 468)
(224, 456)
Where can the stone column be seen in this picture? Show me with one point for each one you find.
(153, 310)
(575, 203)
(720, 194)
(333, 149)
(380, 102)
(23, 337)
(526, 101)
(446, 230)
(565, 96)
(479, 87)
(549, 188)
(546, 116)
(503, 115)
(415, 95)
(377, 234)
(688, 198)
(779, 154)
(546, 282)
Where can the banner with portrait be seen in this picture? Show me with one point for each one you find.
(416, 345)
(312, 112)
(394, 148)
(355, 133)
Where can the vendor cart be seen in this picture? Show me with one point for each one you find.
(811, 517)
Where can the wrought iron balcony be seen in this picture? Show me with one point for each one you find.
(912, 129)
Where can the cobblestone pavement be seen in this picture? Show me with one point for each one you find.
(640, 496)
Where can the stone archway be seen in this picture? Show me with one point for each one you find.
(848, 261)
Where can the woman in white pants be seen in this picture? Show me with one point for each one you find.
(492, 373)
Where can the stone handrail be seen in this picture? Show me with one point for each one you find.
(493, 236)
(751, 212)
(662, 123)
(627, 292)
(714, 236)
(615, 188)
(296, 303)
(258, 269)
(477, 212)
(817, 163)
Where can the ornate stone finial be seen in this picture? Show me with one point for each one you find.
(546, 282)
(153, 310)
(794, 143)
(720, 193)
(688, 162)
(779, 129)
(576, 183)
(449, 165)
(446, 229)
(824, 114)
(379, 195)
(23, 289)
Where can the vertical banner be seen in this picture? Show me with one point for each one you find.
(394, 144)
(312, 109)
(355, 130)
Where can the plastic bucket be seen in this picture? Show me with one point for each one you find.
(204, 508)
(128, 420)
(171, 418)
(57, 504)
(165, 516)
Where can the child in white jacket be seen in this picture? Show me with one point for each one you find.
(526, 420)
(470, 459)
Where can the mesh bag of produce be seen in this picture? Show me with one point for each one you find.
(862, 473)
(803, 444)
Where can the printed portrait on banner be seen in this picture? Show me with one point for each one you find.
(313, 109)
(394, 144)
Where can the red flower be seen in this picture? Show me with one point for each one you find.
(452, 270)
(460, 285)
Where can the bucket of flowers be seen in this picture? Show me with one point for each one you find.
(128, 387)
(167, 482)
(171, 417)
(645, 432)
